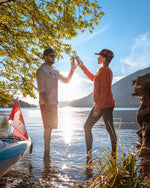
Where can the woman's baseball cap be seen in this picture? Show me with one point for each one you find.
(106, 53)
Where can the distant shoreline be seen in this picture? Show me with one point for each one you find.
(22, 104)
(116, 108)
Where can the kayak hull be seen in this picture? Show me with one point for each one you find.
(12, 149)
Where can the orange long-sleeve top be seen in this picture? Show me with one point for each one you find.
(103, 97)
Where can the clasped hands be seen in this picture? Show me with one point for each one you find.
(76, 61)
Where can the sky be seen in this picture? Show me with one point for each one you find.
(125, 29)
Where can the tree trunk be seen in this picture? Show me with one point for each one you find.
(142, 90)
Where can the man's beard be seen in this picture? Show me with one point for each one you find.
(50, 62)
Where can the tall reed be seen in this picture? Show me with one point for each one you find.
(120, 172)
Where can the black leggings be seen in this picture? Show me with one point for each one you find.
(107, 114)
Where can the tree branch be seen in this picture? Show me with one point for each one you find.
(6, 2)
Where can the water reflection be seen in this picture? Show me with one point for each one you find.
(67, 125)
(52, 174)
(68, 151)
(47, 164)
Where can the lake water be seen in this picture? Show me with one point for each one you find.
(68, 152)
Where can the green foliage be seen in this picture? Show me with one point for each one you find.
(5, 97)
(29, 26)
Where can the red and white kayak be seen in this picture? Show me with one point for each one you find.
(14, 147)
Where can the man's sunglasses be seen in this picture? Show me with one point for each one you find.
(52, 55)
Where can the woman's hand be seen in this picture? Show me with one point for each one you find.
(95, 114)
(80, 63)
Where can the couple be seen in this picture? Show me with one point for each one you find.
(47, 79)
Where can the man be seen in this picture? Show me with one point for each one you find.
(47, 79)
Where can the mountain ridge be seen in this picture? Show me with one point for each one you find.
(122, 98)
(22, 103)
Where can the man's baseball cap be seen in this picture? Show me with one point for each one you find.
(106, 53)
(48, 51)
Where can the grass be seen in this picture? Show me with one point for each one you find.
(122, 172)
(114, 173)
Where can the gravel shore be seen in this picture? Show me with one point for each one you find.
(23, 179)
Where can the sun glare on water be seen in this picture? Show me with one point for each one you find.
(67, 125)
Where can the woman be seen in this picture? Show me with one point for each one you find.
(103, 99)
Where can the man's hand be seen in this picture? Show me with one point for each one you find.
(73, 67)
(48, 107)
